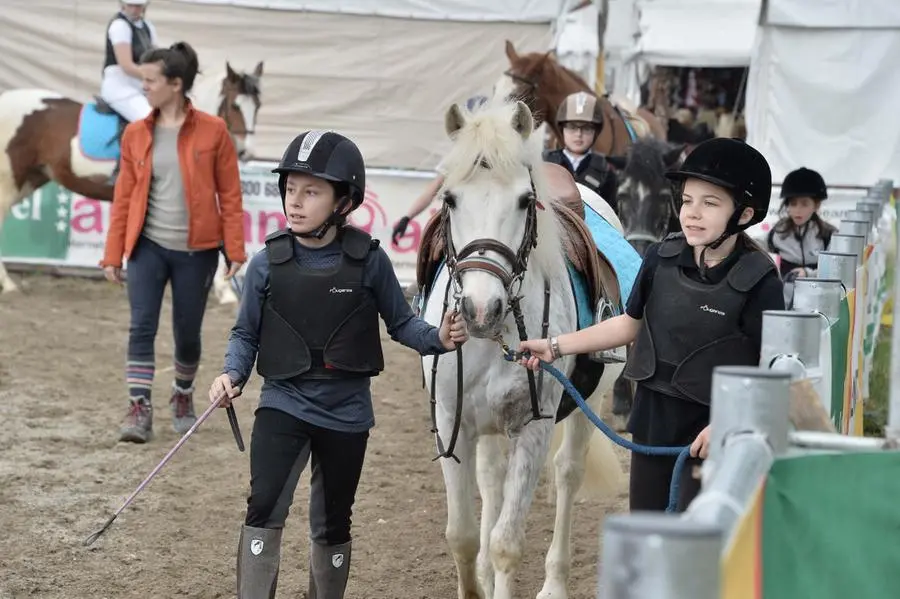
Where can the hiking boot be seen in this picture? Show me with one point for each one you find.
(329, 568)
(182, 404)
(137, 426)
(259, 556)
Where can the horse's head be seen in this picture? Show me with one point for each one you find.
(644, 197)
(536, 80)
(490, 208)
(239, 106)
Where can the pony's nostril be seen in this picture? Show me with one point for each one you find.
(495, 311)
(467, 308)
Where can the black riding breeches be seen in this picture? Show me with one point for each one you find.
(280, 447)
(651, 477)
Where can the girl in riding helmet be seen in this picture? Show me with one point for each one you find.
(426, 197)
(309, 318)
(801, 233)
(580, 117)
(697, 303)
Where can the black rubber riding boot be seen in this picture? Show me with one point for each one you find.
(329, 569)
(259, 556)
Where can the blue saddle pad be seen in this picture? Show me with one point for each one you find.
(97, 134)
(624, 259)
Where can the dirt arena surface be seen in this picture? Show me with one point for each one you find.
(62, 471)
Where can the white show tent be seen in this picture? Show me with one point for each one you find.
(677, 33)
(824, 87)
(382, 72)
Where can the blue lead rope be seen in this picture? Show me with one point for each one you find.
(683, 453)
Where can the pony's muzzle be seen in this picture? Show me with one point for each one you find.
(483, 320)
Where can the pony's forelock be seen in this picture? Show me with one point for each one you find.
(487, 146)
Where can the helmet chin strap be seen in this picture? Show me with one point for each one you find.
(731, 227)
(320, 231)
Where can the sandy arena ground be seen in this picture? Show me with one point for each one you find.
(62, 472)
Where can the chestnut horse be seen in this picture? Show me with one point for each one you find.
(543, 84)
(46, 136)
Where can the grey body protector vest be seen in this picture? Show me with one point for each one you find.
(689, 328)
(140, 41)
(319, 324)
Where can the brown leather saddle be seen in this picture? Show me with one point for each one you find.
(582, 252)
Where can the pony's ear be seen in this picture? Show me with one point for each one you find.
(232, 75)
(522, 120)
(258, 71)
(453, 120)
(511, 53)
(670, 157)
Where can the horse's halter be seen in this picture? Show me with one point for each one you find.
(472, 255)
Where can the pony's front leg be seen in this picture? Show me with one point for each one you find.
(491, 471)
(462, 527)
(222, 288)
(527, 456)
(569, 465)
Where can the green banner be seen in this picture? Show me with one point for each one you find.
(829, 525)
(840, 339)
(39, 225)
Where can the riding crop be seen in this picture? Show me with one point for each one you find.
(683, 453)
(93, 537)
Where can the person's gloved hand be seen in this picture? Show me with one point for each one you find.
(400, 229)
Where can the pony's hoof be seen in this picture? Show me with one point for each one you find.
(553, 590)
(225, 300)
(8, 288)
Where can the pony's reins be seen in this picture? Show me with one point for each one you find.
(683, 453)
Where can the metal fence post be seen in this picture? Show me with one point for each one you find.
(822, 296)
(854, 227)
(748, 430)
(659, 556)
(848, 244)
(790, 342)
(838, 265)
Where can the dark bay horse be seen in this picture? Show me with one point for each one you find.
(543, 84)
(46, 136)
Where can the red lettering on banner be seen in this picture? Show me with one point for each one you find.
(87, 216)
(263, 225)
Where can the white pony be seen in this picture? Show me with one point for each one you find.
(494, 186)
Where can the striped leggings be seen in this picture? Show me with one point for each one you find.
(150, 269)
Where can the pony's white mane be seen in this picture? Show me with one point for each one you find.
(488, 136)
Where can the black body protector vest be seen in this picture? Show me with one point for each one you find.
(319, 324)
(140, 41)
(593, 171)
(689, 328)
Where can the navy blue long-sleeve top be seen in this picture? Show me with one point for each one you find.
(340, 404)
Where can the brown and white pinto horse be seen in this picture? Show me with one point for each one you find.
(45, 136)
(543, 84)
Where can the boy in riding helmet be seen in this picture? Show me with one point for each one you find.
(580, 117)
(697, 303)
(309, 317)
(801, 233)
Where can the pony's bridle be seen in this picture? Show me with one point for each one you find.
(472, 257)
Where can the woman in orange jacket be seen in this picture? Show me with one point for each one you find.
(177, 198)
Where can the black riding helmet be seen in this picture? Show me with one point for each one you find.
(804, 182)
(329, 156)
(736, 166)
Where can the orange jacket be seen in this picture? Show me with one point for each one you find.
(212, 187)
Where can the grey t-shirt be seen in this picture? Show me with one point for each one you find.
(166, 222)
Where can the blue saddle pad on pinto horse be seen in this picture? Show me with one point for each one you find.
(98, 133)
(624, 259)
